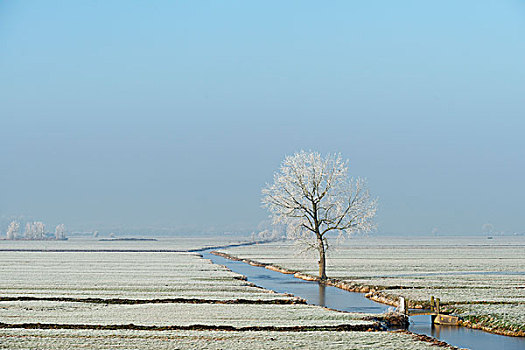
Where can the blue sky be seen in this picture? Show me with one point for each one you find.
(128, 115)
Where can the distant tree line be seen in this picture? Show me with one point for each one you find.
(35, 230)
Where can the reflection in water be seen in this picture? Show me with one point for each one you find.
(322, 294)
(435, 330)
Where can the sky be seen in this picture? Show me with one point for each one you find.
(135, 116)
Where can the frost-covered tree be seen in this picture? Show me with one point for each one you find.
(60, 232)
(313, 196)
(487, 228)
(269, 231)
(28, 233)
(12, 230)
(34, 230)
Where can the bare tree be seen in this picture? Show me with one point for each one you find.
(60, 232)
(269, 231)
(28, 233)
(35, 230)
(12, 230)
(314, 195)
(487, 228)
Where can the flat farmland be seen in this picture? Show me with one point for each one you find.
(175, 314)
(181, 244)
(478, 278)
(136, 275)
(57, 298)
(253, 340)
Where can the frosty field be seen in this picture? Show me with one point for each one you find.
(126, 339)
(125, 290)
(456, 270)
(174, 314)
(120, 275)
(89, 243)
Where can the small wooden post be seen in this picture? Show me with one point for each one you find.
(437, 306)
(402, 306)
(432, 303)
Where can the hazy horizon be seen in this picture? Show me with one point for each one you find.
(171, 116)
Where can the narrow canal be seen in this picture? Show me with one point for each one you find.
(338, 299)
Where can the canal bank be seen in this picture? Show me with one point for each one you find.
(335, 297)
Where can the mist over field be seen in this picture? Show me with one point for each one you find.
(169, 118)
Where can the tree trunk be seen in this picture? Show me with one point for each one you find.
(322, 261)
(320, 244)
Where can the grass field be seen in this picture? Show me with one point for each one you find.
(173, 314)
(121, 275)
(126, 291)
(259, 340)
(91, 243)
(459, 271)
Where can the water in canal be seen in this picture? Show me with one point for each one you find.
(339, 299)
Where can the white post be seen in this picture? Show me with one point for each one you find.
(401, 308)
